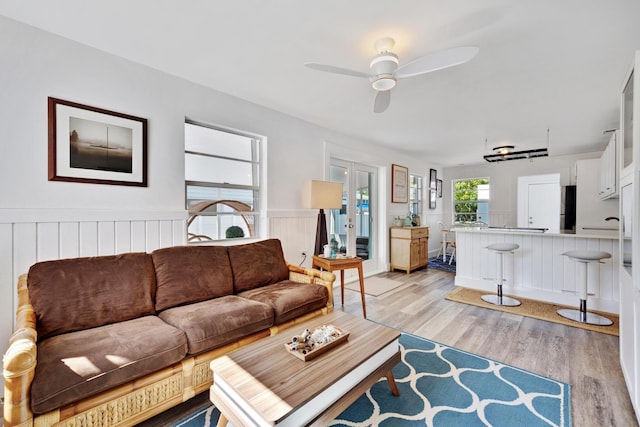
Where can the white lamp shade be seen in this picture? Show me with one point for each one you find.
(321, 195)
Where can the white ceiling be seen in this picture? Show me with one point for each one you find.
(556, 64)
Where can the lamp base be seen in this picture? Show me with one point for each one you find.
(321, 233)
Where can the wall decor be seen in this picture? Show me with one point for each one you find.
(433, 176)
(93, 145)
(399, 184)
(432, 199)
(439, 188)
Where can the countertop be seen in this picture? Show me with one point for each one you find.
(590, 234)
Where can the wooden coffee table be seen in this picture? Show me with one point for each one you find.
(263, 385)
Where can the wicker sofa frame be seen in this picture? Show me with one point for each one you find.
(132, 402)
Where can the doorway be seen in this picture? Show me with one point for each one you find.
(353, 225)
(539, 202)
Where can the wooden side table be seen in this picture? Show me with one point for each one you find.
(341, 264)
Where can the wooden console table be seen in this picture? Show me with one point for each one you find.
(341, 264)
(409, 248)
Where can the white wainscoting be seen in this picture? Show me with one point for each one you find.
(296, 229)
(538, 270)
(30, 236)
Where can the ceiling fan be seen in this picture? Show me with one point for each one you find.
(385, 71)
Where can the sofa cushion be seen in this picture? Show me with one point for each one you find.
(213, 323)
(80, 293)
(80, 364)
(257, 264)
(187, 274)
(289, 299)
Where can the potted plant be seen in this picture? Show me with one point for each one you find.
(234, 232)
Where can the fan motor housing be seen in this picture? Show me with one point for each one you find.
(384, 63)
(382, 67)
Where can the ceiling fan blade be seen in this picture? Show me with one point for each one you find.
(335, 70)
(437, 61)
(382, 100)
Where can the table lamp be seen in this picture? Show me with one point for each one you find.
(321, 195)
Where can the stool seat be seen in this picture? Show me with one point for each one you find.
(587, 255)
(503, 247)
(500, 249)
(583, 258)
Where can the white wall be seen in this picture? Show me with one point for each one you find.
(41, 219)
(503, 181)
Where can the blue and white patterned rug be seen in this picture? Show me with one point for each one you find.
(442, 386)
(439, 264)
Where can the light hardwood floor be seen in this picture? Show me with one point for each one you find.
(589, 361)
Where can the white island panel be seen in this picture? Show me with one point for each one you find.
(538, 270)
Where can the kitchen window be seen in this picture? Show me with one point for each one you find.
(222, 180)
(471, 200)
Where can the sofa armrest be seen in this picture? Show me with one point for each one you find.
(19, 362)
(312, 275)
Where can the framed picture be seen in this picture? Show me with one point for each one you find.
(432, 199)
(399, 184)
(439, 188)
(433, 176)
(92, 145)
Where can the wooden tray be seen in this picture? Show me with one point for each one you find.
(318, 350)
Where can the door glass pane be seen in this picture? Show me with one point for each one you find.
(627, 123)
(338, 221)
(363, 217)
(353, 226)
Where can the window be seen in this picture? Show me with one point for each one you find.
(415, 195)
(222, 179)
(471, 200)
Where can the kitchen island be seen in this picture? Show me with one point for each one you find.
(538, 270)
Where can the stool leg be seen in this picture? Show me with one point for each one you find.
(500, 271)
(499, 299)
(582, 315)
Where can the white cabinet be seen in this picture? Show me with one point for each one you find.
(630, 240)
(608, 188)
(591, 210)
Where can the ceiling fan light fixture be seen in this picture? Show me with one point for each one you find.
(383, 64)
(384, 57)
(384, 69)
(384, 83)
(503, 149)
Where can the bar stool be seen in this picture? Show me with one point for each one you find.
(445, 243)
(500, 249)
(583, 258)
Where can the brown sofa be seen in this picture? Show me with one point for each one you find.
(114, 340)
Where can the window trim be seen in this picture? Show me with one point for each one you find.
(259, 164)
(477, 200)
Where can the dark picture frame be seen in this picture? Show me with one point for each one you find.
(439, 188)
(399, 184)
(93, 145)
(433, 176)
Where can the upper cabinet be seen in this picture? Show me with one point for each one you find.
(608, 187)
(630, 128)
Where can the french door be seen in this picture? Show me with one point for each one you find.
(353, 226)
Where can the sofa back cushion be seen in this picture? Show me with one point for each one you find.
(257, 264)
(188, 274)
(81, 293)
